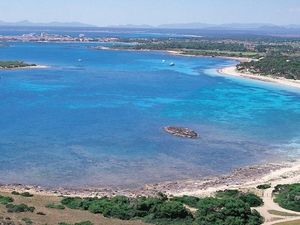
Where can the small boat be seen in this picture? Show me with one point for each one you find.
(172, 64)
(79, 60)
(163, 61)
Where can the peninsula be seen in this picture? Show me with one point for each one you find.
(15, 65)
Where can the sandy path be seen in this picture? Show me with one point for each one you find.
(269, 204)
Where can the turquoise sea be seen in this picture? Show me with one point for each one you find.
(95, 118)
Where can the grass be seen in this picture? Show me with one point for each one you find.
(279, 213)
(295, 222)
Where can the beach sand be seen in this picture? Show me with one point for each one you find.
(232, 71)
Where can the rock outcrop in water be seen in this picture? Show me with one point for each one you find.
(181, 132)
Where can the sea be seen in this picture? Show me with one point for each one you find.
(95, 118)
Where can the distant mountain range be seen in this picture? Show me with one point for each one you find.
(229, 26)
(26, 23)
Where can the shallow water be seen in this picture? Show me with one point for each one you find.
(98, 121)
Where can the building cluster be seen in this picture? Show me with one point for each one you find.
(45, 37)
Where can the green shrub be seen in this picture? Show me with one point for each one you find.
(11, 208)
(250, 198)
(73, 203)
(55, 206)
(187, 200)
(4, 200)
(170, 210)
(84, 223)
(288, 196)
(227, 210)
(26, 194)
(264, 186)
(213, 211)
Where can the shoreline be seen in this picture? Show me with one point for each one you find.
(245, 178)
(232, 71)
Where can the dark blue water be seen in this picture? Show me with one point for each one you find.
(98, 121)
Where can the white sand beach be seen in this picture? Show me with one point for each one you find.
(232, 71)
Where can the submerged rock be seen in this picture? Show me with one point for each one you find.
(181, 132)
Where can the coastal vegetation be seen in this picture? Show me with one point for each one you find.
(248, 198)
(227, 208)
(14, 64)
(274, 65)
(288, 196)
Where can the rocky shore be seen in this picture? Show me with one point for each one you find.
(239, 178)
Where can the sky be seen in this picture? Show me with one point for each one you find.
(152, 12)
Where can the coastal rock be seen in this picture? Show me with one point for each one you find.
(181, 132)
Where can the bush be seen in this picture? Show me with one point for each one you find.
(288, 196)
(26, 194)
(187, 200)
(84, 223)
(124, 208)
(73, 203)
(11, 208)
(213, 211)
(264, 186)
(227, 210)
(4, 200)
(116, 207)
(54, 206)
(170, 210)
(250, 198)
